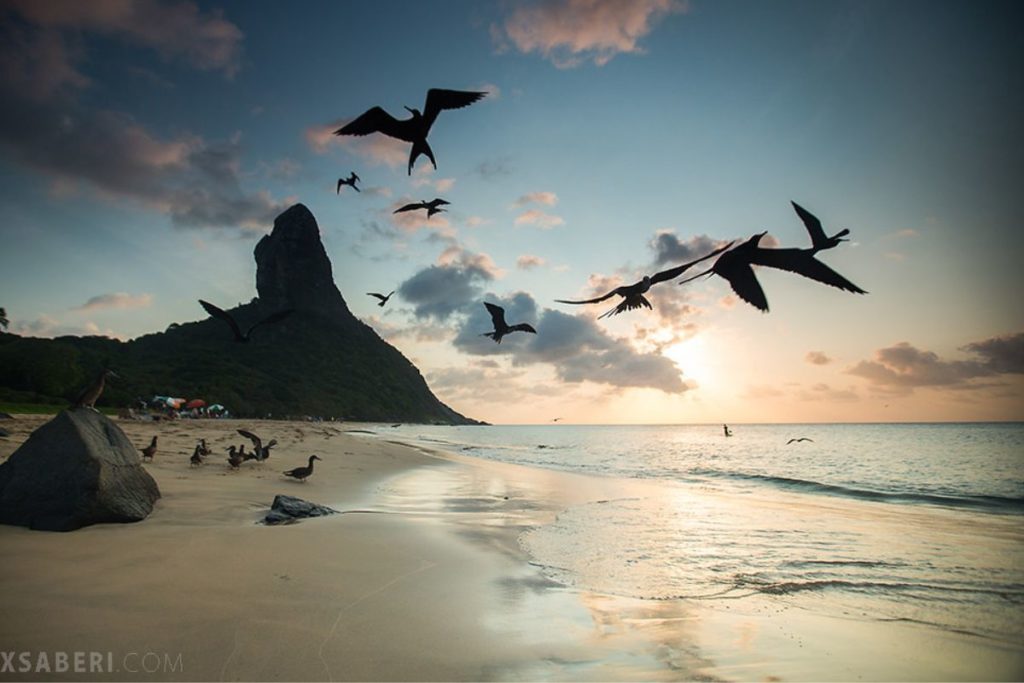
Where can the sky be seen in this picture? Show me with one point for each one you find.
(146, 145)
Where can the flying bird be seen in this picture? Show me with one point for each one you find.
(817, 233)
(301, 473)
(432, 207)
(633, 295)
(149, 451)
(383, 299)
(735, 266)
(350, 181)
(501, 328)
(88, 397)
(802, 438)
(415, 128)
(235, 329)
(260, 451)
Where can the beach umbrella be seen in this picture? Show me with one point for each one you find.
(216, 407)
(195, 403)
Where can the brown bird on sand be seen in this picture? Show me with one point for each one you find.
(197, 457)
(89, 395)
(260, 452)
(234, 458)
(149, 451)
(203, 450)
(301, 473)
(633, 295)
(416, 128)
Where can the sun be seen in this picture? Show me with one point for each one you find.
(694, 358)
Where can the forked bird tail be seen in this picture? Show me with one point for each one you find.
(709, 271)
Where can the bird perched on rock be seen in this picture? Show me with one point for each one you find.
(301, 473)
(87, 398)
(432, 207)
(633, 295)
(383, 299)
(350, 181)
(260, 452)
(415, 128)
(235, 329)
(149, 451)
(501, 328)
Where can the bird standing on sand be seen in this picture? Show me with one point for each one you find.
(203, 450)
(383, 299)
(432, 206)
(501, 328)
(633, 295)
(301, 473)
(89, 395)
(802, 438)
(226, 317)
(350, 181)
(149, 451)
(197, 457)
(416, 128)
(735, 266)
(234, 458)
(818, 239)
(260, 452)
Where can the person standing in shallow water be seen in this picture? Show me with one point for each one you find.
(725, 428)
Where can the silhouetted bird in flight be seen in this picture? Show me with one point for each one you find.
(89, 395)
(501, 328)
(735, 266)
(383, 299)
(149, 451)
(416, 128)
(633, 295)
(802, 438)
(350, 181)
(226, 317)
(818, 239)
(301, 473)
(260, 452)
(431, 207)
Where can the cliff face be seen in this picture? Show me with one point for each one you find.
(321, 360)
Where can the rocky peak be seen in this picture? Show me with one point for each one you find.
(292, 268)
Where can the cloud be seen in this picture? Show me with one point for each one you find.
(49, 327)
(817, 358)
(494, 169)
(569, 32)
(576, 347)
(905, 366)
(493, 91)
(544, 221)
(669, 249)
(477, 221)
(823, 392)
(546, 198)
(450, 285)
(376, 148)
(175, 30)
(422, 177)
(116, 300)
(529, 262)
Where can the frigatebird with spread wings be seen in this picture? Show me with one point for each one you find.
(501, 328)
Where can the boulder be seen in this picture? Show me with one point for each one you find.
(77, 469)
(288, 509)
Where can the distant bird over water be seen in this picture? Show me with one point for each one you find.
(818, 239)
(235, 329)
(432, 207)
(350, 181)
(735, 266)
(89, 395)
(501, 328)
(383, 299)
(415, 128)
(633, 295)
(802, 438)
(301, 473)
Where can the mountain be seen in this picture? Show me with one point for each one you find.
(320, 360)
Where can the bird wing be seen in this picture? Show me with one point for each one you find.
(355, 177)
(497, 315)
(523, 327)
(802, 262)
(595, 300)
(812, 224)
(379, 296)
(438, 202)
(438, 99)
(743, 281)
(409, 207)
(223, 315)
(675, 272)
(338, 189)
(374, 120)
(272, 318)
(257, 444)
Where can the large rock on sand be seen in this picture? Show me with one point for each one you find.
(77, 469)
(289, 509)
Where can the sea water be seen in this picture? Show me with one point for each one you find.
(921, 523)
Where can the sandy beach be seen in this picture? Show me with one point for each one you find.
(421, 578)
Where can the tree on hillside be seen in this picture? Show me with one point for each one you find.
(4, 322)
